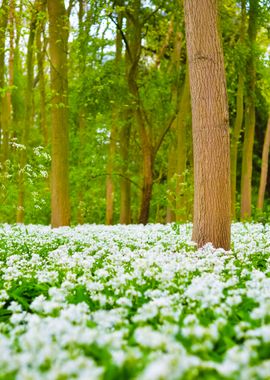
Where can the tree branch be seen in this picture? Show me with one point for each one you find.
(70, 6)
(163, 134)
(122, 34)
(119, 175)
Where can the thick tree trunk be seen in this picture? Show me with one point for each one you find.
(264, 170)
(212, 206)
(58, 42)
(246, 178)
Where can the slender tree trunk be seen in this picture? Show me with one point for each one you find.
(246, 178)
(80, 195)
(125, 212)
(134, 33)
(110, 167)
(172, 157)
(180, 152)
(148, 163)
(264, 170)
(210, 120)
(239, 114)
(7, 104)
(110, 188)
(125, 185)
(149, 145)
(175, 150)
(235, 139)
(28, 120)
(81, 112)
(181, 127)
(41, 54)
(58, 43)
(3, 27)
(5, 117)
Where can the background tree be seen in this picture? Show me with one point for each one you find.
(58, 41)
(264, 171)
(28, 119)
(3, 27)
(250, 117)
(100, 88)
(237, 127)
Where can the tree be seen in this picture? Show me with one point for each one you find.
(110, 188)
(264, 169)
(239, 111)
(250, 117)
(210, 123)
(58, 43)
(150, 139)
(41, 55)
(3, 26)
(29, 117)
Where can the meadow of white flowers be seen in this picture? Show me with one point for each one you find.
(133, 302)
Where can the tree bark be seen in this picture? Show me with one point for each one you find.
(264, 169)
(250, 119)
(58, 45)
(212, 206)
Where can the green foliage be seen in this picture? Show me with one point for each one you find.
(98, 90)
(36, 187)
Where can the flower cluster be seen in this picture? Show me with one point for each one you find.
(133, 302)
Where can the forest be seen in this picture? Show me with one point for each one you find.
(134, 189)
(96, 111)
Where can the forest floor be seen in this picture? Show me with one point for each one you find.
(133, 302)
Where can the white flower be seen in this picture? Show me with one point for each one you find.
(38, 304)
(15, 307)
(17, 318)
